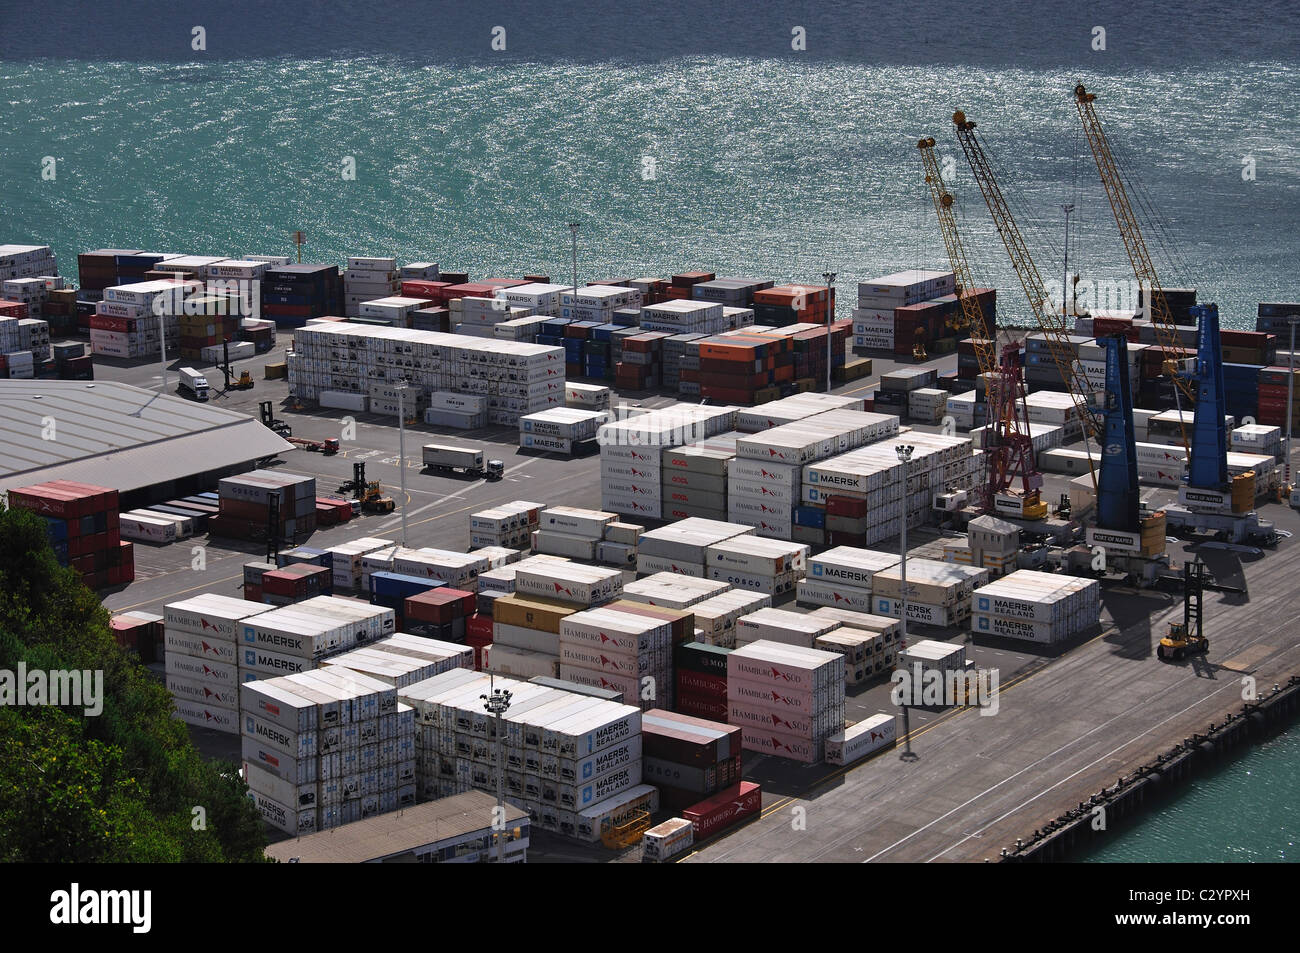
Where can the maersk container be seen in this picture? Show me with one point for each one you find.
(276, 702)
(300, 797)
(592, 821)
(852, 744)
(267, 663)
(295, 744)
(293, 822)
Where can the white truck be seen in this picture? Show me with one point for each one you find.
(193, 383)
(442, 456)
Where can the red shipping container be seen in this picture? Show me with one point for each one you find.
(326, 515)
(846, 506)
(700, 707)
(252, 593)
(478, 627)
(701, 684)
(438, 606)
(834, 538)
(725, 809)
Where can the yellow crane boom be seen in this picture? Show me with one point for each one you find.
(983, 339)
(1049, 322)
(1131, 232)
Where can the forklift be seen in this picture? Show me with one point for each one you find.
(369, 492)
(244, 381)
(272, 422)
(1187, 637)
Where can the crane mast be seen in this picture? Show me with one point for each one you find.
(1051, 324)
(985, 345)
(1129, 230)
(1009, 450)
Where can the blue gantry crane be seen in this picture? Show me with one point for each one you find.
(1209, 500)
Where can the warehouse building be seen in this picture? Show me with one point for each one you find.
(146, 445)
(455, 829)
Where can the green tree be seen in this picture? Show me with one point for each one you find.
(118, 787)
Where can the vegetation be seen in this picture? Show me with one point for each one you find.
(122, 786)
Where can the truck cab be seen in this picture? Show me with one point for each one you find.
(194, 383)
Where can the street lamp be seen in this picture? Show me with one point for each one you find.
(1290, 395)
(573, 229)
(1065, 277)
(401, 388)
(497, 704)
(904, 451)
(829, 277)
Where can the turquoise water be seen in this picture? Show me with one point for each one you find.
(757, 170)
(1247, 811)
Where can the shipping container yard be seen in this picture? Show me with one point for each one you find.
(735, 566)
(705, 439)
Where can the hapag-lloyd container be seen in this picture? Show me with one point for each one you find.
(211, 615)
(852, 744)
(715, 814)
(755, 555)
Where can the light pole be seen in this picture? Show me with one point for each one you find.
(904, 451)
(402, 385)
(573, 229)
(1065, 276)
(829, 277)
(497, 704)
(1290, 395)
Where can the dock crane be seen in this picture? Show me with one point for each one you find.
(1009, 451)
(1129, 230)
(1051, 324)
